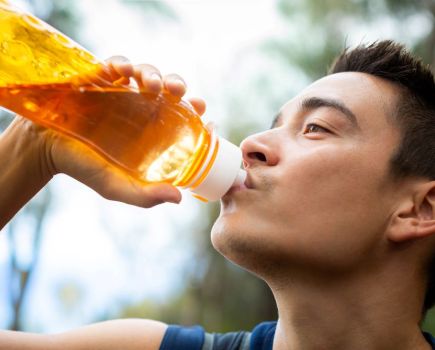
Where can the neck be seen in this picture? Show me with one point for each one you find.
(371, 310)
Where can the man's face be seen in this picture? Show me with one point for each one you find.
(319, 193)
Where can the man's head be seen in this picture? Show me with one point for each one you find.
(342, 181)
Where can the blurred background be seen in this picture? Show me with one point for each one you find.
(70, 258)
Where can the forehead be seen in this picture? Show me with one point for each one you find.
(370, 98)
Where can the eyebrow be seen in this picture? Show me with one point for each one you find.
(318, 102)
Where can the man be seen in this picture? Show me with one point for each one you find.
(337, 214)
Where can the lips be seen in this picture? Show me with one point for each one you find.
(240, 186)
(237, 187)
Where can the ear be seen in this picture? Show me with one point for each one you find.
(415, 217)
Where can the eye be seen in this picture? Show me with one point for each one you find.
(314, 128)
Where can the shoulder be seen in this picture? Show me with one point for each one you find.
(195, 338)
(178, 337)
(262, 335)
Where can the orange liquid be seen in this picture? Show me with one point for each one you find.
(155, 140)
(32, 52)
(50, 79)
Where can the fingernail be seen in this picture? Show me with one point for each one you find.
(155, 77)
(177, 82)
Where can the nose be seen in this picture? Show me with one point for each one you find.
(259, 149)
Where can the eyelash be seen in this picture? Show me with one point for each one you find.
(316, 126)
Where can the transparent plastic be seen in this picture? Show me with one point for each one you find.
(51, 80)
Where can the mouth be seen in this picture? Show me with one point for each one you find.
(242, 186)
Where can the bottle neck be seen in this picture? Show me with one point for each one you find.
(206, 164)
(219, 173)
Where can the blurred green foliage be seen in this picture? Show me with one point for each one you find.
(153, 8)
(326, 25)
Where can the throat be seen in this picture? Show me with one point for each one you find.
(339, 318)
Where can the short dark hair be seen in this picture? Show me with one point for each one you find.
(414, 112)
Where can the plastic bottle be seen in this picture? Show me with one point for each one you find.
(50, 79)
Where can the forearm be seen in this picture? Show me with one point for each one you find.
(127, 334)
(12, 340)
(23, 168)
(131, 334)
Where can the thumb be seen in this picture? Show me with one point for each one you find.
(139, 194)
(85, 165)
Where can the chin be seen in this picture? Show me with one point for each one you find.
(235, 239)
(249, 243)
(221, 232)
(225, 233)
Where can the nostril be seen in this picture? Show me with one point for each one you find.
(257, 155)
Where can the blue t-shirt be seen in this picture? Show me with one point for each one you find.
(430, 339)
(195, 338)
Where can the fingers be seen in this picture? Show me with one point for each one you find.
(116, 71)
(115, 185)
(119, 187)
(121, 66)
(148, 78)
(175, 85)
(198, 105)
(138, 194)
(78, 161)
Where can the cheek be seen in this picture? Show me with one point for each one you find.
(330, 205)
(331, 178)
(322, 208)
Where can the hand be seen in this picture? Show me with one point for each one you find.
(65, 155)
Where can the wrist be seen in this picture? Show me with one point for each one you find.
(24, 166)
(25, 147)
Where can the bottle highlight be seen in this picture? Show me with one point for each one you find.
(51, 80)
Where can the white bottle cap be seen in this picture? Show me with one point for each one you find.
(224, 172)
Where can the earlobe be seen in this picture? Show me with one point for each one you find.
(415, 218)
